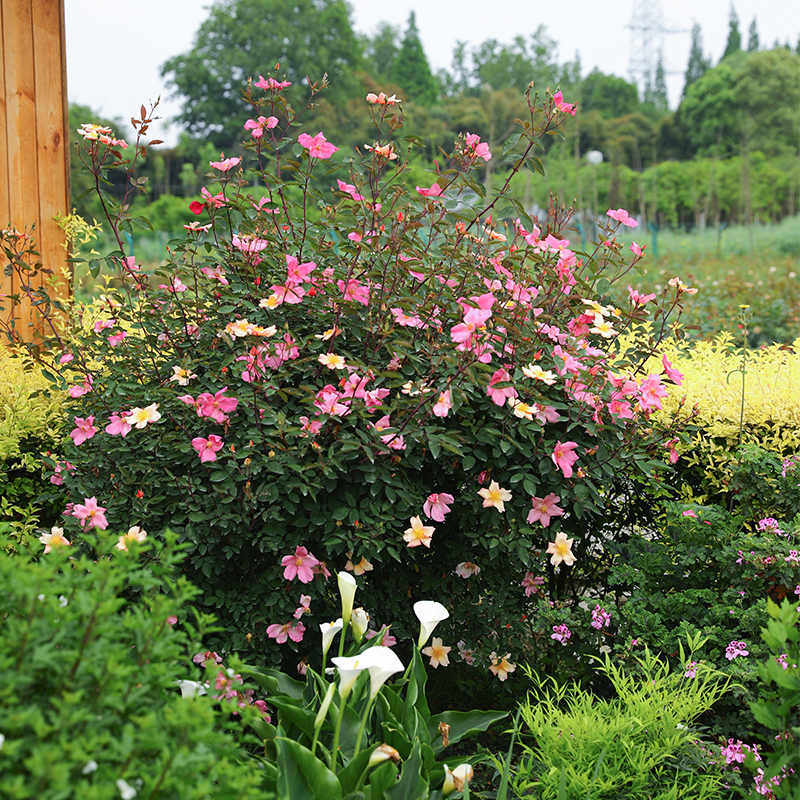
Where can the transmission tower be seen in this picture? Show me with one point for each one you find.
(647, 41)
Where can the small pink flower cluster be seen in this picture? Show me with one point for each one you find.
(736, 649)
(600, 618)
(561, 633)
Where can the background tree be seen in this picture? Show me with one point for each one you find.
(752, 37)
(734, 43)
(609, 95)
(655, 95)
(698, 63)
(739, 94)
(411, 69)
(381, 52)
(245, 38)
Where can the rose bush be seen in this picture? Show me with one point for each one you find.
(421, 387)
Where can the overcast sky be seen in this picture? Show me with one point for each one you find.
(115, 50)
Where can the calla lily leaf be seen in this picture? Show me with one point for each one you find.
(275, 681)
(302, 776)
(462, 724)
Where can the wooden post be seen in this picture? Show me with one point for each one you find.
(34, 142)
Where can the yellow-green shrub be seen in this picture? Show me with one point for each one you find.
(713, 383)
(31, 417)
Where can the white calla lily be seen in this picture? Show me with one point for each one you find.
(456, 780)
(359, 621)
(329, 631)
(382, 663)
(349, 668)
(347, 589)
(430, 614)
(191, 688)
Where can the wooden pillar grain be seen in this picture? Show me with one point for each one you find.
(34, 142)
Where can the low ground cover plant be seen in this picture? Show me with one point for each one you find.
(640, 743)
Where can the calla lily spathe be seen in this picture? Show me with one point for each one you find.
(430, 614)
(329, 631)
(347, 590)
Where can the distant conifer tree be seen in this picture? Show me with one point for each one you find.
(411, 69)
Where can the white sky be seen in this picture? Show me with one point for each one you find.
(115, 50)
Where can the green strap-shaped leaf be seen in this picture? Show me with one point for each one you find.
(412, 785)
(275, 681)
(462, 723)
(302, 776)
(291, 711)
(379, 780)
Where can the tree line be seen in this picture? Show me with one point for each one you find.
(740, 114)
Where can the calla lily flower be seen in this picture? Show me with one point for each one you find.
(323, 709)
(349, 667)
(382, 663)
(456, 780)
(430, 614)
(191, 688)
(329, 631)
(359, 621)
(347, 589)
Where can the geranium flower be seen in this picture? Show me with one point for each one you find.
(438, 653)
(225, 165)
(564, 108)
(141, 417)
(182, 375)
(495, 497)
(381, 99)
(437, 505)
(466, 569)
(331, 360)
(119, 425)
(561, 633)
(532, 584)
(299, 566)
(418, 533)
(564, 457)
(501, 667)
(84, 429)
(207, 449)
(134, 534)
(544, 508)
(621, 216)
(736, 649)
(357, 569)
(53, 539)
(90, 514)
(600, 618)
(561, 550)
(318, 146)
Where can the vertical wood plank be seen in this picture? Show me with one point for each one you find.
(34, 140)
(4, 137)
(21, 125)
(52, 142)
(5, 155)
